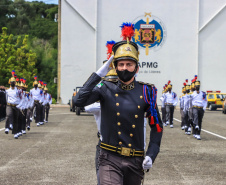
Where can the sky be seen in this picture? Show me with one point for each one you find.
(46, 1)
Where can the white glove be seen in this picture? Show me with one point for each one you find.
(147, 163)
(105, 68)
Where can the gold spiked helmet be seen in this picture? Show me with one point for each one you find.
(126, 49)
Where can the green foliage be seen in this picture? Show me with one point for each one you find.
(53, 101)
(36, 54)
(14, 55)
(46, 62)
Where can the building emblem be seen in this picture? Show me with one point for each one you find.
(150, 32)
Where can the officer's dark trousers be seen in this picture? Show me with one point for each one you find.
(169, 113)
(46, 114)
(97, 161)
(119, 170)
(182, 117)
(12, 117)
(198, 114)
(163, 109)
(38, 112)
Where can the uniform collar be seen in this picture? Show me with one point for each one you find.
(125, 86)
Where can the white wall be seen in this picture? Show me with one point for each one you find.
(212, 45)
(77, 47)
(177, 59)
(195, 38)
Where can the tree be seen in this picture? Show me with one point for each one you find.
(15, 55)
(37, 20)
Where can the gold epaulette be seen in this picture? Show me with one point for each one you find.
(143, 83)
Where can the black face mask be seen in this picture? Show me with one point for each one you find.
(197, 88)
(126, 75)
(12, 84)
(35, 86)
(187, 91)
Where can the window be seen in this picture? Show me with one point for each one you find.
(218, 96)
(211, 96)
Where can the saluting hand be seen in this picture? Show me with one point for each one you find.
(105, 68)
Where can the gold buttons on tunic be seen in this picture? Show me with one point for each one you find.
(133, 126)
(120, 143)
(136, 116)
(117, 104)
(131, 135)
(138, 106)
(141, 97)
(116, 95)
(129, 145)
(119, 133)
(118, 123)
(118, 113)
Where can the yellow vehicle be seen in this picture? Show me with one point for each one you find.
(215, 99)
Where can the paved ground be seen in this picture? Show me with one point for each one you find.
(62, 152)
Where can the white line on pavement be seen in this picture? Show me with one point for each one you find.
(2, 129)
(204, 130)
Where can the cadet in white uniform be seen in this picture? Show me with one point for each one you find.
(170, 101)
(187, 121)
(182, 107)
(29, 110)
(37, 94)
(13, 99)
(163, 107)
(47, 103)
(199, 103)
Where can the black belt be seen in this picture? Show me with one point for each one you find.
(123, 151)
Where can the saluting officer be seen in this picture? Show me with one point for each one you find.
(170, 101)
(13, 99)
(123, 104)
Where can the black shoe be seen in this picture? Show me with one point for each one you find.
(28, 128)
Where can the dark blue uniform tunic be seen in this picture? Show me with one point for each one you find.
(122, 113)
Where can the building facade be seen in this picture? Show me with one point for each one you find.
(177, 39)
